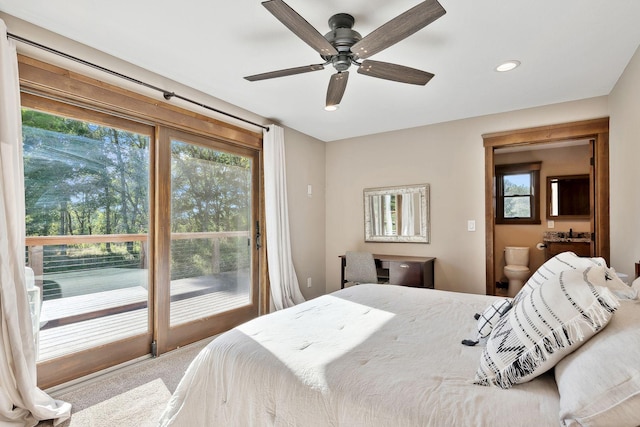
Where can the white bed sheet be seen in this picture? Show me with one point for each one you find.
(368, 355)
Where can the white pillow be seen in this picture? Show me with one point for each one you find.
(621, 289)
(550, 322)
(553, 266)
(599, 384)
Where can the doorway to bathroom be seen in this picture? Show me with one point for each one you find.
(592, 135)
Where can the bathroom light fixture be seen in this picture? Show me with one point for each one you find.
(331, 107)
(508, 65)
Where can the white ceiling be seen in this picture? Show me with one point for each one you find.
(569, 49)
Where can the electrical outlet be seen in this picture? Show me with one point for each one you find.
(308, 282)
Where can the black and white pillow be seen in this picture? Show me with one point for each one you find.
(551, 321)
(490, 316)
(552, 267)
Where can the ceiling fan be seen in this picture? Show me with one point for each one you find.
(343, 46)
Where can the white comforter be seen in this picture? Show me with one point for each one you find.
(368, 355)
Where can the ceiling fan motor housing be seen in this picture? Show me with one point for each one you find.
(342, 37)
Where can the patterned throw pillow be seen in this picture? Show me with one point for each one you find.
(551, 321)
(488, 319)
(491, 315)
(552, 267)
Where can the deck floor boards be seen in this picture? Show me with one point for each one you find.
(192, 299)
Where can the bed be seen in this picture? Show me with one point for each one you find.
(384, 355)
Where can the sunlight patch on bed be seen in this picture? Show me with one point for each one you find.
(342, 328)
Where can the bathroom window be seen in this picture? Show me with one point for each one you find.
(518, 193)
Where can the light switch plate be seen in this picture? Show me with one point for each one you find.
(471, 225)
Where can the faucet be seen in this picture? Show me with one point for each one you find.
(570, 232)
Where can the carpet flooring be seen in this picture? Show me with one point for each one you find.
(132, 396)
(140, 407)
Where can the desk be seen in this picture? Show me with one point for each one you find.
(402, 270)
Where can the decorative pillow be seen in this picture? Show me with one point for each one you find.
(550, 322)
(491, 315)
(599, 384)
(552, 267)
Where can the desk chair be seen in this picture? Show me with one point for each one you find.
(360, 268)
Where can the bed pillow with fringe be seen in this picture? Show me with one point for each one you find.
(599, 384)
(554, 266)
(549, 323)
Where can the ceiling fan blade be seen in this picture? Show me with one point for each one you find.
(300, 27)
(285, 72)
(399, 28)
(337, 85)
(397, 73)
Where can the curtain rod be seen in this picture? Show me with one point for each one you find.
(166, 94)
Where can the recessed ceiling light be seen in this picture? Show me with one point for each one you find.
(331, 107)
(508, 65)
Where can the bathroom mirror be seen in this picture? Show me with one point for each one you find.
(568, 197)
(397, 214)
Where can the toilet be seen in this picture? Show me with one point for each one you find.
(517, 268)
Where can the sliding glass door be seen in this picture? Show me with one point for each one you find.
(87, 199)
(210, 277)
(139, 237)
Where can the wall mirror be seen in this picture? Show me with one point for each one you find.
(397, 214)
(568, 197)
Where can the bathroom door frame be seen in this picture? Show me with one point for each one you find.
(595, 130)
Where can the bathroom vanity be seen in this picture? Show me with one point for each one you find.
(402, 270)
(558, 241)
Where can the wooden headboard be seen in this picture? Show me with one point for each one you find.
(638, 269)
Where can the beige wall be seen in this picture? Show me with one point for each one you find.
(449, 157)
(573, 160)
(624, 104)
(306, 166)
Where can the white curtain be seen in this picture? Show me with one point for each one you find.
(408, 215)
(388, 218)
(285, 290)
(22, 403)
(376, 215)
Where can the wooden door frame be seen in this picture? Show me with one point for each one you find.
(596, 130)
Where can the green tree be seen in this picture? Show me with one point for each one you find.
(82, 178)
(517, 201)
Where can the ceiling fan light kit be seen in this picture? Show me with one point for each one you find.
(508, 65)
(343, 47)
